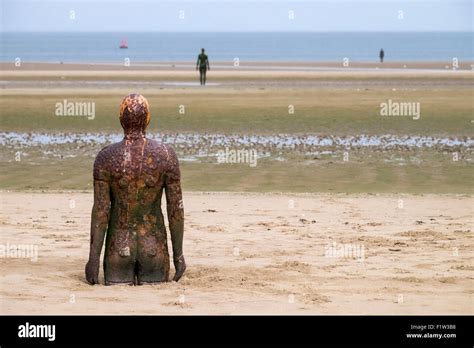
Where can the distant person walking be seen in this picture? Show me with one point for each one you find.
(203, 65)
(381, 55)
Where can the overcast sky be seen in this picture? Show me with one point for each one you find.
(243, 15)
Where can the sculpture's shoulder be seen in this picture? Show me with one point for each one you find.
(108, 152)
(105, 160)
(164, 153)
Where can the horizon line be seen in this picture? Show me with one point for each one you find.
(238, 31)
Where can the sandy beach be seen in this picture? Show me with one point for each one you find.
(226, 71)
(256, 254)
(169, 77)
(352, 246)
(322, 151)
(242, 65)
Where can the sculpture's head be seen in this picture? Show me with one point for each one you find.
(134, 114)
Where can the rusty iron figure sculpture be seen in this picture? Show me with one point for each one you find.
(203, 64)
(129, 179)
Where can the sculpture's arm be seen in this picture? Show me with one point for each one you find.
(174, 207)
(99, 223)
(197, 62)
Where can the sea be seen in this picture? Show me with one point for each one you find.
(88, 47)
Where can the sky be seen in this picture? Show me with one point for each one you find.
(243, 15)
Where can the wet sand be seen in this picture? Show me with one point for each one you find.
(256, 254)
(104, 78)
(242, 65)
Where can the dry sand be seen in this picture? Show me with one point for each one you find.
(255, 254)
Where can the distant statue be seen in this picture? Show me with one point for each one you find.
(203, 65)
(381, 55)
(129, 179)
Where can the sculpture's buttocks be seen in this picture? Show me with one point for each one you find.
(129, 179)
